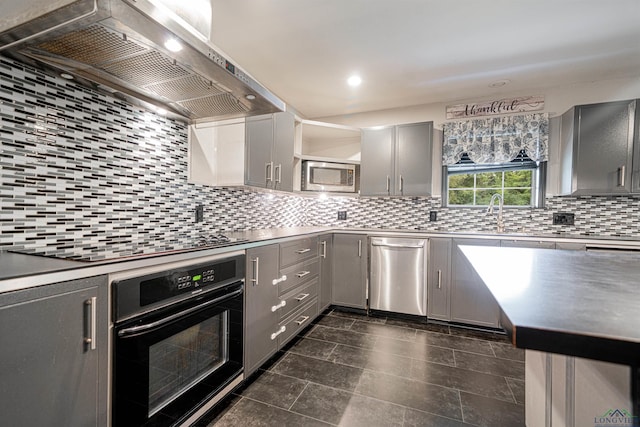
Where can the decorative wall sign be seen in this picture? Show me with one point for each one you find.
(493, 108)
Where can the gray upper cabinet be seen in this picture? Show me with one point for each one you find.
(597, 149)
(349, 270)
(376, 161)
(269, 151)
(325, 248)
(51, 374)
(413, 159)
(471, 301)
(261, 295)
(396, 161)
(439, 279)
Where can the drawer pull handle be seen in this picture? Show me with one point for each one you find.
(279, 279)
(275, 308)
(304, 319)
(302, 274)
(302, 297)
(303, 251)
(256, 270)
(275, 334)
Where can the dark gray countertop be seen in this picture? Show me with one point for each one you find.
(22, 271)
(584, 304)
(14, 265)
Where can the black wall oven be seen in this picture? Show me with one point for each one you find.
(177, 340)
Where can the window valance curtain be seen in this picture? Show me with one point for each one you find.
(497, 139)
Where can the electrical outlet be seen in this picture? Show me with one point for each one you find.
(561, 218)
(342, 215)
(433, 216)
(199, 213)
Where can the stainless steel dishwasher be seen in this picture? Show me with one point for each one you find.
(398, 280)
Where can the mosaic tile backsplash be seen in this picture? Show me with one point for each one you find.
(84, 175)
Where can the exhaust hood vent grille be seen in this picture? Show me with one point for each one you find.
(185, 88)
(150, 67)
(93, 45)
(217, 104)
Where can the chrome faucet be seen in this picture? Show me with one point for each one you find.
(500, 222)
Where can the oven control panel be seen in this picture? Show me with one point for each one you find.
(138, 293)
(187, 281)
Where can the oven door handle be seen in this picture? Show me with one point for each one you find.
(141, 329)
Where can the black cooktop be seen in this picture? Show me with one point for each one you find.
(124, 247)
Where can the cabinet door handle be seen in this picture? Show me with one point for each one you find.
(256, 270)
(269, 171)
(621, 175)
(279, 174)
(302, 274)
(439, 279)
(90, 340)
(303, 251)
(401, 184)
(360, 248)
(275, 308)
(302, 297)
(388, 184)
(304, 319)
(324, 249)
(275, 334)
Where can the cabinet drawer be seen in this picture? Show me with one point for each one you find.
(297, 274)
(297, 322)
(298, 250)
(298, 297)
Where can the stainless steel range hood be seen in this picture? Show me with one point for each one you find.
(118, 46)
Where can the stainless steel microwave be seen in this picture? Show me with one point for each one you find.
(327, 176)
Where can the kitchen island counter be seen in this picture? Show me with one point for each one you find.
(576, 303)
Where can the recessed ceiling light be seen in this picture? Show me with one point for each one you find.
(500, 83)
(173, 45)
(250, 97)
(354, 80)
(66, 76)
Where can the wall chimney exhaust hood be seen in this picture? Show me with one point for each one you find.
(149, 52)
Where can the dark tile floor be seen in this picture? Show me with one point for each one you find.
(353, 370)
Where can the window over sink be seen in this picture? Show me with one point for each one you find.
(495, 155)
(520, 182)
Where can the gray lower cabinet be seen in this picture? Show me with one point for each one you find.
(349, 270)
(471, 301)
(269, 151)
(325, 248)
(51, 375)
(260, 296)
(439, 279)
(597, 149)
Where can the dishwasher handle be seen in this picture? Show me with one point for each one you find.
(392, 245)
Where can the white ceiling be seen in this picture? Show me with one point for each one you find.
(412, 52)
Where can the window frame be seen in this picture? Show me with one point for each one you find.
(538, 180)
